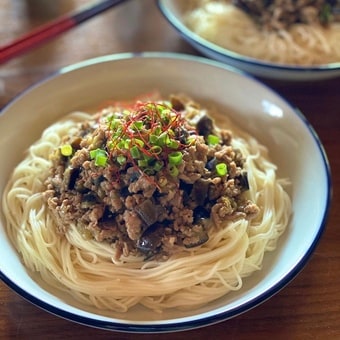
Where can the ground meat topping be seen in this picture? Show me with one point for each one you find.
(148, 178)
(281, 14)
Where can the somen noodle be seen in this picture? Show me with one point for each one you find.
(99, 272)
(227, 25)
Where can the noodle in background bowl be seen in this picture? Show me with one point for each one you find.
(292, 143)
(175, 10)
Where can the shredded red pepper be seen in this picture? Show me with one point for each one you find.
(152, 130)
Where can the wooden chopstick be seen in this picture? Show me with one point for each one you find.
(52, 29)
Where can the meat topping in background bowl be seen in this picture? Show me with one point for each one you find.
(280, 14)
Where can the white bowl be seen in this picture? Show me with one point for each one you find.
(175, 10)
(292, 144)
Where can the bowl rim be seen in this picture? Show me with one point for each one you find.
(178, 324)
(234, 56)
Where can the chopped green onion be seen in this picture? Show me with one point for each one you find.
(114, 122)
(66, 150)
(99, 156)
(174, 144)
(121, 159)
(160, 107)
(170, 134)
(163, 139)
(93, 153)
(213, 140)
(149, 171)
(138, 124)
(157, 130)
(164, 111)
(173, 170)
(158, 166)
(175, 158)
(138, 142)
(142, 163)
(127, 143)
(153, 139)
(134, 151)
(100, 160)
(121, 145)
(110, 145)
(221, 169)
(156, 150)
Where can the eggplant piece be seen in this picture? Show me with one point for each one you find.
(70, 177)
(254, 8)
(148, 212)
(134, 175)
(151, 239)
(211, 164)
(187, 188)
(176, 103)
(200, 214)
(97, 180)
(182, 135)
(205, 126)
(124, 192)
(75, 143)
(108, 220)
(199, 191)
(243, 181)
(90, 197)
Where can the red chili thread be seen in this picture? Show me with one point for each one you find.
(151, 117)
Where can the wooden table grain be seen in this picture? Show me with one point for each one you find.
(309, 306)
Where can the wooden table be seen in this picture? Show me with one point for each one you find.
(309, 307)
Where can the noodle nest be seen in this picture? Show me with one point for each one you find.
(88, 269)
(229, 27)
